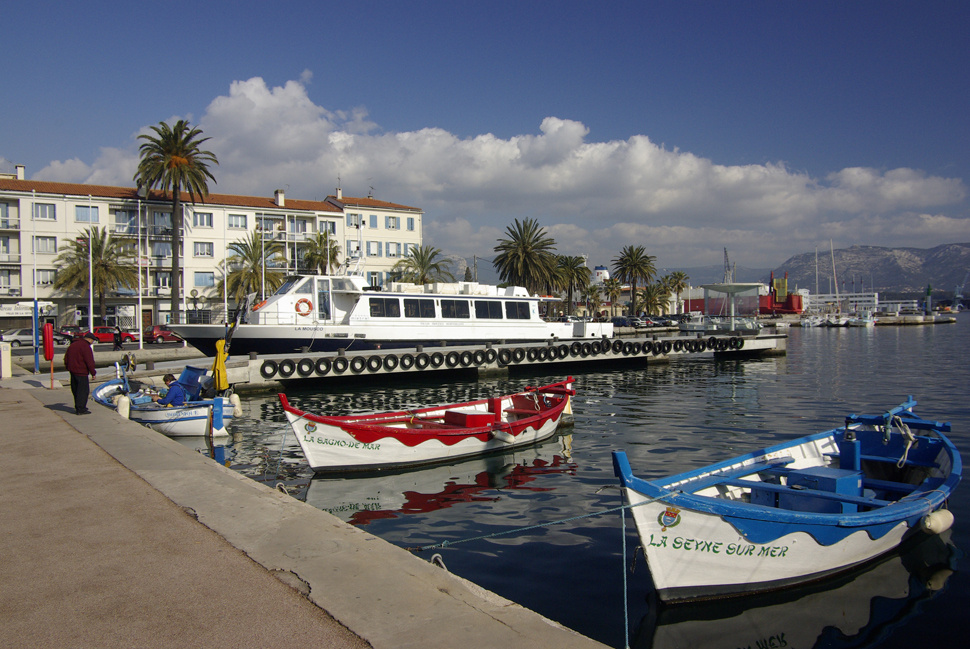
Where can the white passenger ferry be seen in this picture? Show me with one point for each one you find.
(326, 313)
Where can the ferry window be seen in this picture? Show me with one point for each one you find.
(306, 288)
(287, 285)
(418, 308)
(517, 310)
(488, 309)
(385, 307)
(455, 309)
(323, 299)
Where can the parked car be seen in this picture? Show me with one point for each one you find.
(160, 334)
(107, 335)
(71, 331)
(18, 337)
(621, 321)
(637, 322)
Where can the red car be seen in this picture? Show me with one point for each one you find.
(160, 334)
(107, 335)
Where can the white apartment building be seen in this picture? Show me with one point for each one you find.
(38, 217)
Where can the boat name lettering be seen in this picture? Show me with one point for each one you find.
(718, 547)
(341, 442)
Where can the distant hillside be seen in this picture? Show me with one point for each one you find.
(888, 270)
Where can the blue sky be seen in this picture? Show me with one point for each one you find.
(765, 127)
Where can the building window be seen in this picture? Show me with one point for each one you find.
(353, 220)
(202, 219)
(45, 212)
(46, 277)
(163, 280)
(161, 249)
(374, 248)
(4, 278)
(203, 249)
(45, 244)
(373, 220)
(411, 223)
(205, 279)
(393, 249)
(298, 226)
(86, 213)
(237, 221)
(374, 278)
(392, 222)
(328, 226)
(126, 221)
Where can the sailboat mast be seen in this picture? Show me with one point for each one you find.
(835, 279)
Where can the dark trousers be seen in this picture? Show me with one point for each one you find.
(80, 388)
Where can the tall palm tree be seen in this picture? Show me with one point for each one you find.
(322, 253)
(633, 266)
(574, 275)
(112, 265)
(614, 289)
(245, 267)
(527, 258)
(172, 161)
(678, 282)
(422, 266)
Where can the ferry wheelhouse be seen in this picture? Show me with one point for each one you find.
(325, 313)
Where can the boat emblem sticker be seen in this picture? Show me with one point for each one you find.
(310, 427)
(670, 517)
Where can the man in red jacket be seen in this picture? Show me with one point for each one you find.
(79, 360)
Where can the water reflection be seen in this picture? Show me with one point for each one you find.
(858, 609)
(372, 496)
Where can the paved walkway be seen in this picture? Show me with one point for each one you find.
(93, 556)
(112, 535)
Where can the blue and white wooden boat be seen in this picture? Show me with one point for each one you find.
(190, 419)
(795, 512)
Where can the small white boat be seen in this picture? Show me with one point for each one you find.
(191, 419)
(795, 512)
(864, 320)
(390, 440)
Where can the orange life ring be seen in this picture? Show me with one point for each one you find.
(258, 304)
(303, 302)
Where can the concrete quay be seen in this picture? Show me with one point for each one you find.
(115, 536)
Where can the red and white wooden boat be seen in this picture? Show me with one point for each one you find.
(390, 440)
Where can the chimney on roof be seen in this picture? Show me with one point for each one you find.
(280, 198)
(340, 194)
(20, 171)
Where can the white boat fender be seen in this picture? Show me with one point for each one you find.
(937, 522)
(236, 405)
(502, 436)
(124, 406)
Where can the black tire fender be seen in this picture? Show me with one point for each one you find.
(407, 361)
(357, 364)
(466, 358)
(305, 367)
(340, 365)
(287, 367)
(268, 369)
(532, 354)
(422, 360)
(374, 363)
(576, 348)
(452, 359)
(479, 357)
(391, 362)
(518, 354)
(617, 346)
(490, 355)
(323, 366)
(504, 357)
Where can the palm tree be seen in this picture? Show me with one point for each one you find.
(173, 161)
(678, 282)
(245, 267)
(573, 274)
(652, 298)
(633, 266)
(593, 297)
(112, 265)
(614, 289)
(422, 266)
(322, 252)
(527, 257)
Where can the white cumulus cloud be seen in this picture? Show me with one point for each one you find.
(594, 197)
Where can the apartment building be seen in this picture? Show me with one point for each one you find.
(37, 218)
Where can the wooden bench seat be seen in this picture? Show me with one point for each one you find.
(739, 472)
(814, 493)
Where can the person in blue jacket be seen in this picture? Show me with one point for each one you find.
(175, 395)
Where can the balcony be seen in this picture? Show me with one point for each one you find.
(7, 258)
(9, 223)
(10, 291)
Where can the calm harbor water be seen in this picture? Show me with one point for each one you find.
(668, 418)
